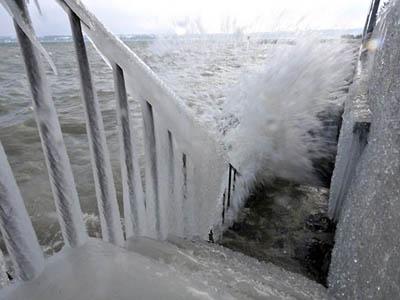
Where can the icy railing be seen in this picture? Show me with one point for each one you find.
(187, 177)
(371, 20)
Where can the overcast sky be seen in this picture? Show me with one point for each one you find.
(168, 16)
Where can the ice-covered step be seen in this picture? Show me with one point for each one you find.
(150, 269)
(101, 271)
(225, 271)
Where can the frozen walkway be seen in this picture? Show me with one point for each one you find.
(178, 269)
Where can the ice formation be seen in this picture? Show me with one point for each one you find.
(365, 260)
(151, 269)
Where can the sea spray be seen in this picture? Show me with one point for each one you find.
(276, 111)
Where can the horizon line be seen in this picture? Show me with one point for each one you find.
(205, 33)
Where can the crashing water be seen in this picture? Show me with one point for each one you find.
(280, 126)
(277, 109)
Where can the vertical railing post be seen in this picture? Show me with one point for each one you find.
(4, 280)
(152, 195)
(164, 169)
(371, 20)
(185, 200)
(173, 205)
(234, 179)
(223, 207)
(103, 178)
(190, 214)
(57, 161)
(133, 196)
(16, 227)
(229, 186)
(179, 186)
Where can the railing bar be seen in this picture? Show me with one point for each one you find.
(229, 186)
(171, 168)
(172, 204)
(374, 14)
(152, 197)
(103, 178)
(367, 21)
(4, 274)
(223, 208)
(234, 179)
(57, 161)
(371, 20)
(178, 190)
(185, 194)
(133, 195)
(165, 167)
(16, 227)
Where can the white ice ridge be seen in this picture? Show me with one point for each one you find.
(150, 269)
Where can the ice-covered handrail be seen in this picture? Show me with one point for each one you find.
(176, 146)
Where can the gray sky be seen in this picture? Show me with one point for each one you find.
(180, 16)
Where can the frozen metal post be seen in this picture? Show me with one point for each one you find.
(57, 161)
(152, 197)
(16, 227)
(133, 195)
(103, 178)
(371, 20)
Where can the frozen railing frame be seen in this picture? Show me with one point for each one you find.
(228, 192)
(185, 167)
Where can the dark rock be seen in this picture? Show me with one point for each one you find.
(319, 223)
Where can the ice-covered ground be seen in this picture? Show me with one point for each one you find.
(150, 269)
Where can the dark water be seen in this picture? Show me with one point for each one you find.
(286, 224)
